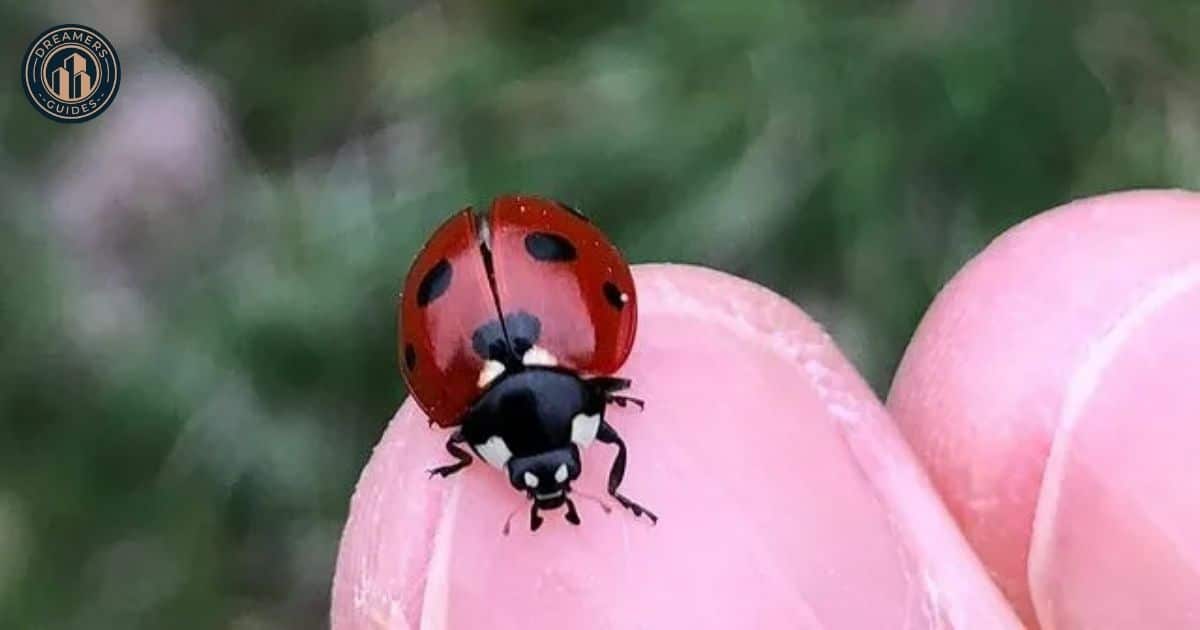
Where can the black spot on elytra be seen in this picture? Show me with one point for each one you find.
(524, 330)
(549, 247)
(573, 211)
(410, 356)
(435, 282)
(489, 342)
(613, 295)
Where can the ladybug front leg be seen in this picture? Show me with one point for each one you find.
(608, 435)
(535, 519)
(622, 401)
(572, 515)
(463, 457)
(606, 386)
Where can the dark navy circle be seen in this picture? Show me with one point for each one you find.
(71, 73)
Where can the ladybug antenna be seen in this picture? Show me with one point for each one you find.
(508, 521)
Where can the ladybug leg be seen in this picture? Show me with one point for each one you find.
(623, 401)
(607, 385)
(535, 519)
(572, 516)
(452, 446)
(508, 522)
(608, 435)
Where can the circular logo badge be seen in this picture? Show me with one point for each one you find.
(71, 73)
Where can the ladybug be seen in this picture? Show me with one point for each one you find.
(510, 328)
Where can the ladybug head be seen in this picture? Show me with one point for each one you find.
(546, 477)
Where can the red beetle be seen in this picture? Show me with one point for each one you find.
(510, 327)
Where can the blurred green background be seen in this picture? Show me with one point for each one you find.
(196, 308)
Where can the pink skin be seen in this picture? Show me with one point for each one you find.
(787, 500)
(1053, 393)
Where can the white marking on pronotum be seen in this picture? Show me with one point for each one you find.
(560, 475)
(531, 480)
(584, 428)
(491, 370)
(538, 355)
(494, 451)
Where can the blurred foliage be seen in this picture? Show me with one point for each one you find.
(198, 340)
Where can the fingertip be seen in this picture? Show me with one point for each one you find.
(982, 388)
(786, 497)
(1124, 456)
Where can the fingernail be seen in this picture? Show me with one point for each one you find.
(1116, 537)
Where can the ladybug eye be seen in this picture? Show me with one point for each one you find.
(549, 247)
(531, 480)
(435, 283)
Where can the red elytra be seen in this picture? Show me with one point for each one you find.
(544, 259)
